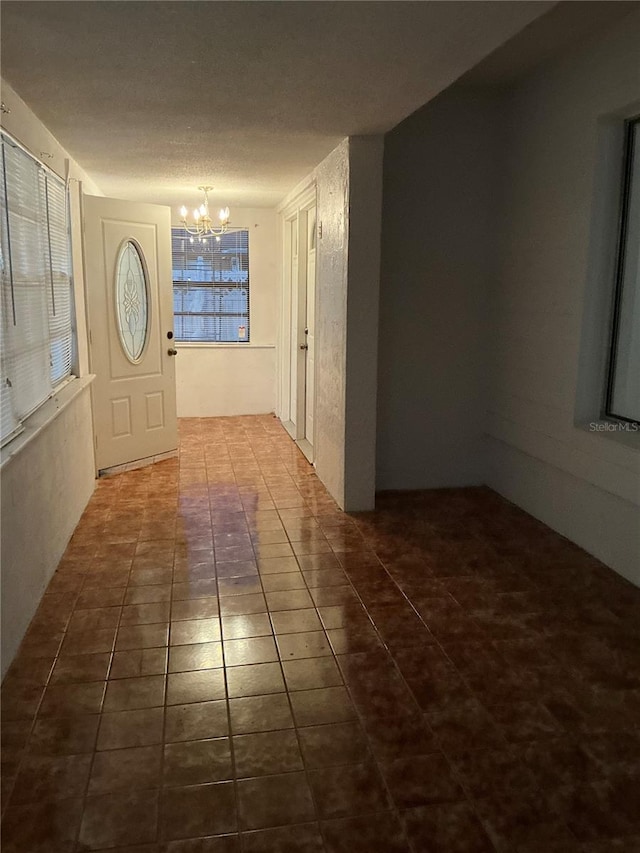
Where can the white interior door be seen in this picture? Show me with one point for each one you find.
(309, 404)
(297, 341)
(294, 396)
(130, 312)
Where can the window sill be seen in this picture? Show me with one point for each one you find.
(622, 433)
(214, 345)
(43, 416)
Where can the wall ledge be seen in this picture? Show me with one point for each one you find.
(541, 460)
(44, 415)
(627, 434)
(211, 345)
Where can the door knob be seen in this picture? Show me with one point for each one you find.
(172, 351)
(304, 346)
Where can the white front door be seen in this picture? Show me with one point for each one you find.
(130, 311)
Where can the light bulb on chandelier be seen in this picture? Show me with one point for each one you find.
(202, 225)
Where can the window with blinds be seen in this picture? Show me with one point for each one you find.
(211, 287)
(36, 299)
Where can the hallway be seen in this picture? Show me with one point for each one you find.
(224, 655)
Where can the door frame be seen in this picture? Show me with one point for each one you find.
(290, 369)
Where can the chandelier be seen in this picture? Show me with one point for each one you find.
(202, 225)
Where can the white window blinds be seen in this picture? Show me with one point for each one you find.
(211, 286)
(36, 286)
(60, 293)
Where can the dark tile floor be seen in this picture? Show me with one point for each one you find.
(225, 662)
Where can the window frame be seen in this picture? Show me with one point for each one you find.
(621, 247)
(180, 232)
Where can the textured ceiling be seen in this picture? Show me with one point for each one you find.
(154, 98)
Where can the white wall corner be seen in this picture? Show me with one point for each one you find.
(363, 290)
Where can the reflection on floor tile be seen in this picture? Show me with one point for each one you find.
(224, 661)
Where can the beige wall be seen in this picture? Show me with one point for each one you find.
(221, 381)
(441, 177)
(365, 214)
(332, 181)
(45, 488)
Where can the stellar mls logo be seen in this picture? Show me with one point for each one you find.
(610, 426)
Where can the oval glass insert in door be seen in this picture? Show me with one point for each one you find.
(132, 300)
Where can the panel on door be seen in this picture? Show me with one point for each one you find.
(130, 313)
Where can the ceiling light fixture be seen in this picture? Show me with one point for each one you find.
(202, 225)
